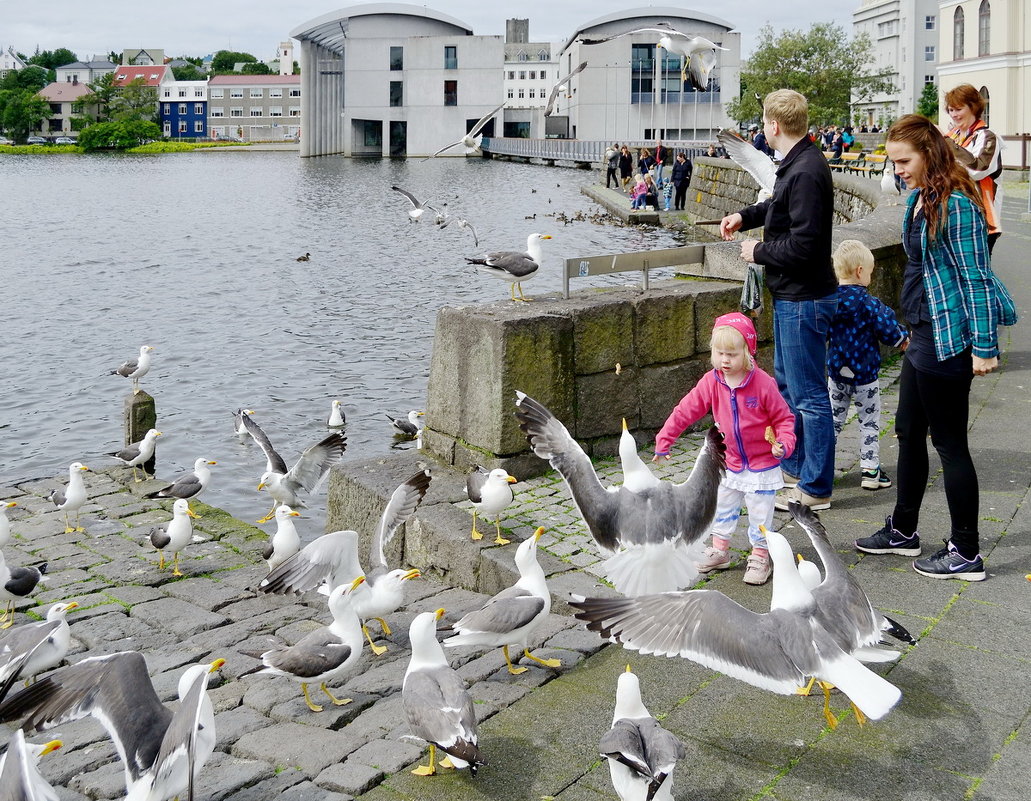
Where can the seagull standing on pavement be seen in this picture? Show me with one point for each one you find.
(17, 584)
(138, 453)
(174, 535)
(188, 485)
(72, 497)
(5, 523)
(286, 541)
(491, 494)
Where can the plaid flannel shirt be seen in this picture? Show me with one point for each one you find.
(966, 301)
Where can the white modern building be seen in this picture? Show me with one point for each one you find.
(632, 90)
(904, 35)
(531, 70)
(394, 79)
(987, 43)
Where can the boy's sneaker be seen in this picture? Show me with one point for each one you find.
(890, 540)
(788, 479)
(875, 479)
(804, 498)
(757, 570)
(948, 564)
(713, 559)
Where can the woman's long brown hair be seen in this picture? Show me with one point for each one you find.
(942, 173)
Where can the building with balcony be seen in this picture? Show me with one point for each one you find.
(184, 109)
(395, 79)
(254, 108)
(632, 90)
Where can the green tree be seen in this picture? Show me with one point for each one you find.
(134, 101)
(21, 112)
(224, 60)
(256, 68)
(52, 59)
(190, 73)
(96, 107)
(928, 102)
(822, 63)
(34, 78)
(118, 135)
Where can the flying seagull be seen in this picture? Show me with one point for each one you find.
(685, 45)
(754, 162)
(286, 484)
(188, 485)
(512, 265)
(491, 495)
(471, 141)
(511, 616)
(138, 453)
(465, 225)
(652, 528)
(775, 651)
(72, 497)
(162, 751)
(562, 86)
(436, 702)
(641, 754)
(20, 779)
(174, 535)
(135, 369)
(699, 69)
(418, 206)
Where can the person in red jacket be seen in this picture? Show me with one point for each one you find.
(759, 431)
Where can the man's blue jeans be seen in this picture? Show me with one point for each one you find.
(800, 330)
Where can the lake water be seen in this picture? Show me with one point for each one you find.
(195, 254)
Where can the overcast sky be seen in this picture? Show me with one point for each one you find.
(199, 27)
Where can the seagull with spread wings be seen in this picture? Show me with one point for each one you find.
(418, 206)
(754, 162)
(562, 86)
(685, 45)
(471, 141)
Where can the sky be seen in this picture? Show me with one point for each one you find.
(200, 27)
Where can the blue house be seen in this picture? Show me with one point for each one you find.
(184, 109)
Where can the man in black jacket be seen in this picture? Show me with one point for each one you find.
(796, 252)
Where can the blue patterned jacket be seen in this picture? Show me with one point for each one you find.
(853, 355)
(966, 300)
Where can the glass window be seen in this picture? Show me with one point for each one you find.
(218, 94)
(167, 93)
(218, 111)
(511, 93)
(182, 93)
(523, 56)
(511, 75)
(198, 126)
(197, 92)
(295, 93)
(257, 111)
(198, 108)
(542, 55)
(929, 53)
(295, 111)
(533, 75)
(166, 108)
(957, 35)
(182, 126)
(182, 108)
(275, 111)
(450, 93)
(533, 93)
(257, 92)
(522, 75)
(236, 92)
(236, 111)
(397, 58)
(275, 92)
(396, 93)
(450, 57)
(522, 93)
(984, 28)
(929, 22)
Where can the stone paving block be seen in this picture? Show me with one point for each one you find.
(223, 775)
(287, 745)
(232, 724)
(380, 679)
(248, 608)
(351, 777)
(272, 789)
(177, 617)
(241, 576)
(61, 592)
(577, 639)
(203, 591)
(332, 716)
(107, 781)
(388, 756)
(131, 594)
(490, 696)
(111, 628)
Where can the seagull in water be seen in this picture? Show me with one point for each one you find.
(409, 426)
(471, 141)
(775, 651)
(135, 369)
(511, 616)
(562, 86)
(162, 751)
(139, 453)
(189, 485)
(512, 265)
(418, 206)
(72, 497)
(685, 45)
(174, 535)
(238, 424)
(336, 419)
(491, 494)
(285, 484)
(436, 702)
(754, 162)
(652, 528)
(641, 754)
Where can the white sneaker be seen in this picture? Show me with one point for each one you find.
(713, 559)
(757, 570)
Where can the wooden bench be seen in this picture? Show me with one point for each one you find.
(848, 162)
(872, 165)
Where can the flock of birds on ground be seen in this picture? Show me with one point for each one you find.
(820, 627)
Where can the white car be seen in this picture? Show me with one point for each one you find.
(5, 141)
(64, 140)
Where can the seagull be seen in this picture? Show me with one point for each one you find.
(285, 484)
(561, 86)
(652, 529)
(641, 754)
(72, 497)
(754, 162)
(418, 207)
(842, 607)
(383, 591)
(511, 616)
(491, 494)
(16, 584)
(685, 45)
(135, 369)
(139, 453)
(337, 419)
(286, 541)
(162, 751)
(465, 225)
(174, 535)
(239, 427)
(189, 485)
(471, 141)
(407, 427)
(436, 702)
(5, 524)
(700, 68)
(20, 779)
(888, 183)
(34, 647)
(775, 651)
(329, 652)
(512, 265)
(329, 560)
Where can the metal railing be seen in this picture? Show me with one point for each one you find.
(641, 260)
(579, 150)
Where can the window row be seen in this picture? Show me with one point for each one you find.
(397, 57)
(255, 111)
(198, 92)
(532, 74)
(984, 31)
(198, 108)
(219, 94)
(521, 93)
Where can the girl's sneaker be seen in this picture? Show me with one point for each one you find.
(713, 559)
(875, 479)
(757, 569)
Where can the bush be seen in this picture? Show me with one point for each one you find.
(118, 135)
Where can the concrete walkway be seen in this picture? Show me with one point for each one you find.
(961, 730)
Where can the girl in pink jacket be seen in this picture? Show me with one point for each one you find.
(759, 431)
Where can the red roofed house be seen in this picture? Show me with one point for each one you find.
(155, 75)
(60, 95)
(255, 108)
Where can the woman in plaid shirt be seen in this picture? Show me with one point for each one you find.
(953, 304)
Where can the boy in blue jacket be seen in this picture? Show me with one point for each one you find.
(854, 357)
